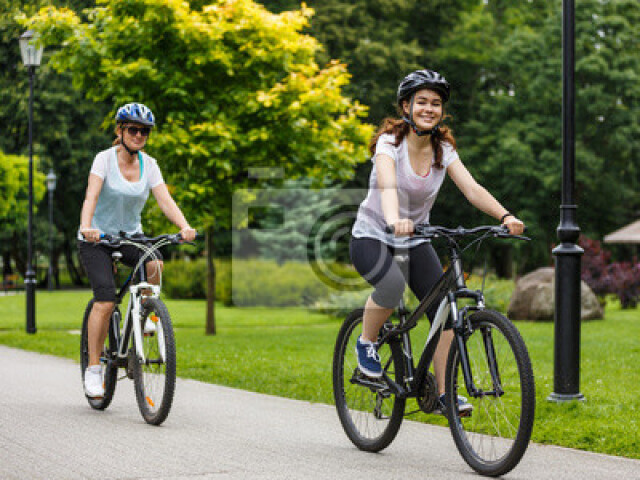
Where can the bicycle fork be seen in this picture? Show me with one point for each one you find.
(134, 313)
(460, 328)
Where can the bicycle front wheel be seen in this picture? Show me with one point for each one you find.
(109, 369)
(155, 377)
(494, 436)
(370, 414)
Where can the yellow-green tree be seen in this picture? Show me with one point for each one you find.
(14, 204)
(233, 86)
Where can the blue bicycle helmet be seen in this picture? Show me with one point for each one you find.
(135, 112)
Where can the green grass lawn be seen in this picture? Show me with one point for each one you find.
(288, 352)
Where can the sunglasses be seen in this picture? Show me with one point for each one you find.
(144, 131)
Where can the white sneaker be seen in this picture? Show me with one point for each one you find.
(149, 326)
(93, 386)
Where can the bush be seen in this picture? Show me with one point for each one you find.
(497, 293)
(188, 279)
(246, 282)
(619, 278)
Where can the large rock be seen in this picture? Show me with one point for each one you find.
(533, 298)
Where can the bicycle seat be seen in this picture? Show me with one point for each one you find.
(116, 256)
(401, 258)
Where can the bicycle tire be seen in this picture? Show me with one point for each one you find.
(155, 380)
(495, 436)
(370, 419)
(109, 370)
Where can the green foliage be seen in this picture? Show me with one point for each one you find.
(511, 137)
(233, 86)
(380, 40)
(65, 127)
(246, 282)
(187, 279)
(14, 191)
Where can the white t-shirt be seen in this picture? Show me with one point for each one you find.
(120, 202)
(416, 194)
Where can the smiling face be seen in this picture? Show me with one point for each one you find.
(427, 109)
(135, 135)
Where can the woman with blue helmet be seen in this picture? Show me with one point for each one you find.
(119, 183)
(411, 155)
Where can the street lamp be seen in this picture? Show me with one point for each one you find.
(566, 383)
(31, 52)
(51, 186)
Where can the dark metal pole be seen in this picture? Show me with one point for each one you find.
(50, 276)
(568, 254)
(30, 276)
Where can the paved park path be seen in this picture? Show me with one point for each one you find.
(48, 431)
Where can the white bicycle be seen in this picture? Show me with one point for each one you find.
(142, 343)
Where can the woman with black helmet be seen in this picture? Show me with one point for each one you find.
(411, 156)
(119, 184)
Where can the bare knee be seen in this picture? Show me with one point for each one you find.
(154, 269)
(103, 307)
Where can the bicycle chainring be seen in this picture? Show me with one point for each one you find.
(428, 397)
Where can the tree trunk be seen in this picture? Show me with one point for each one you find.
(503, 261)
(76, 278)
(210, 328)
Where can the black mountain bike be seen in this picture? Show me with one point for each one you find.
(142, 343)
(488, 364)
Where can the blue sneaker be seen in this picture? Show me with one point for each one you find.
(368, 358)
(464, 407)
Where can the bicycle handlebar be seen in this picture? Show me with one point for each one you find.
(116, 240)
(433, 231)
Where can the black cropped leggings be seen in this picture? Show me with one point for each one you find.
(373, 260)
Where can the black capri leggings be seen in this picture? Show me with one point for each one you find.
(373, 260)
(96, 260)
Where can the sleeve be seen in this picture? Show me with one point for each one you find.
(449, 154)
(385, 145)
(99, 166)
(154, 175)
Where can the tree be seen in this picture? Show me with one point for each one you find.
(511, 136)
(14, 205)
(233, 86)
(66, 132)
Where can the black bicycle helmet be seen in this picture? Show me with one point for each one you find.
(423, 79)
(417, 81)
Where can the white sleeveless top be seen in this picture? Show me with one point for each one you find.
(120, 203)
(416, 194)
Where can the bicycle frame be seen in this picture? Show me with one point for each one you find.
(132, 322)
(446, 291)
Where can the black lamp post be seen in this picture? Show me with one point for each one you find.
(31, 53)
(51, 186)
(566, 384)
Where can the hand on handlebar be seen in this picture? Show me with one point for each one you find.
(188, 234)
(514, 224)
(90, 234)
(402, 228)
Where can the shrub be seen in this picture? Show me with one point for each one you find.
(497, 294)
(188, 279)
(246, 282)
(619, 278)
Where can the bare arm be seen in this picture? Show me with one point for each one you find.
(386, 175)
(480, 198)
(169, 207)
(94, 187)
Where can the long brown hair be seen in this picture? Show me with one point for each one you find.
(400, 129)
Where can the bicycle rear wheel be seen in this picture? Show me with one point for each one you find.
(109, 370)
(494, 437)
(155, 379)
(370, 415)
